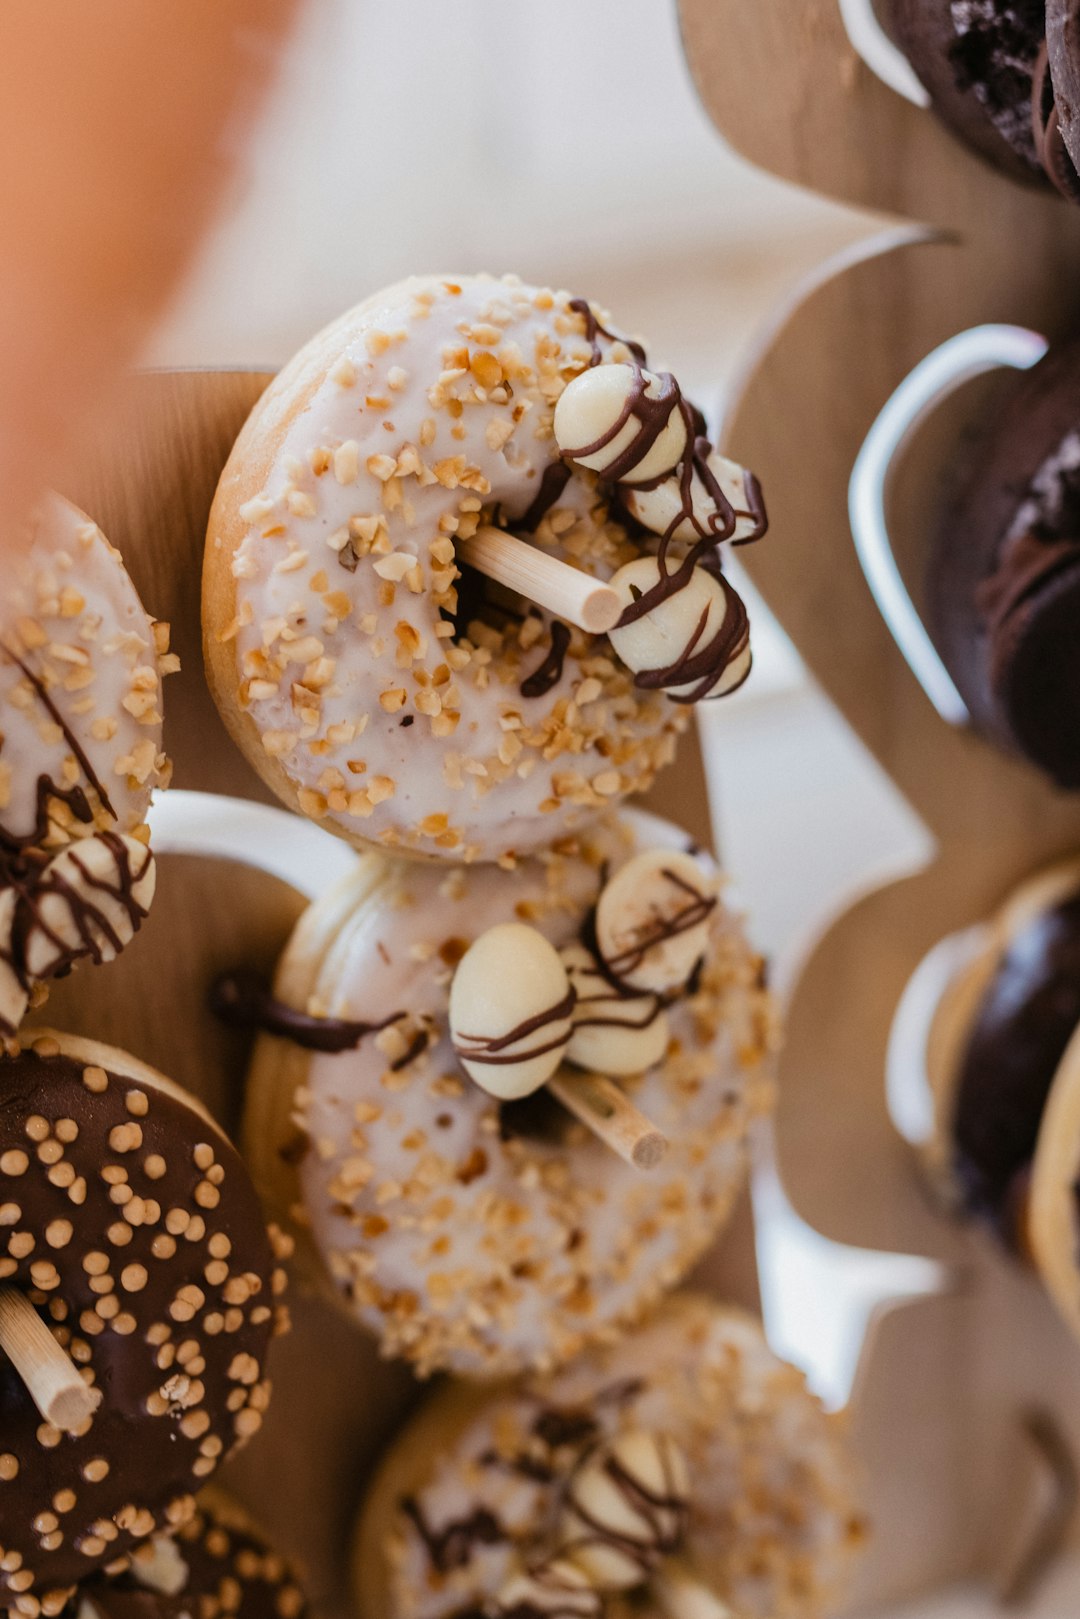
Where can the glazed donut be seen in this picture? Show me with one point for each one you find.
(216, 1566)
(130, 1224)
(472, 1233)
(378, 685)
(722, 1456)
(80, 753)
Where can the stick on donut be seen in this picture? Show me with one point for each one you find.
(684, 1471)
(411, 559)
(130, 1230)
(80, 753)
(486, 1232)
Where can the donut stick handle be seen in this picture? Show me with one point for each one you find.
(681, 1595)
(563, 590)
(52, 1379)
(604, 1109)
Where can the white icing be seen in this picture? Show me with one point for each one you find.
(480, 769)
(70, 612)
(513, 1251)
(773, 1518)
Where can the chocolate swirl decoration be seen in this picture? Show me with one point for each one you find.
(497, 1050)
(700, 667)
(618, 1522)
(1050, 146)
(242, 999)
(698, 909)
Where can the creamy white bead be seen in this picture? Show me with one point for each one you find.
(591, 405)
(507, 979)
(631, 1032)
(93, 896)
(13, 997)
(614, 1535)
(558, 1587)
(657, 509)
(659, 638)
(652, 919)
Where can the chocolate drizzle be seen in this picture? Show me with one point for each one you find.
(706, 667)
(662, 1517)
(549, 673)
(659, 931)
(1050, 145)
(243, 1000)
(13, 841)
(451, 1547)
(494, 1050)
(556, 476)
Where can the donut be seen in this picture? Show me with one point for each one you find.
(80, 753)
(687, 1446)
(376, 678)
(215, 1565)
(1003, 569)
(992, 1038)
(469, 1230)
(985, 65)
(130, 1225)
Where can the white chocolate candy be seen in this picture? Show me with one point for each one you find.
(630, 1032)
(159, 1566)
(89, 901)
(510, 1010)
(652, 919)
(657, 509)
(557, 1588)
(14, 994)
(590, 408)
(626, 1509)
(674, 628)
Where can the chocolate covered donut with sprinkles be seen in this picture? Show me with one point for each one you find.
(130, 1226)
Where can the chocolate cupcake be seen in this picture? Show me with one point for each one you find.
(988, 1030)
(1003, 576)
(984, 65)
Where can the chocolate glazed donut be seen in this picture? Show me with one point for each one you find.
(977, 60)
(129, 1222)
(1003, 575)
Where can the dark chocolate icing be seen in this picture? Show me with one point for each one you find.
(1050, 145)
(231, 1574)
(451, 1546)
(132, 1225)
(242, 998)
(1027, 1018)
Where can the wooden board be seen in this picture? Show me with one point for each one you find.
(150, 487)
(799, 421)
(784, 86)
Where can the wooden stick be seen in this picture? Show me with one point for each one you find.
(682, 1595)
(608, 1112)
(563, 590)
(52, 1379)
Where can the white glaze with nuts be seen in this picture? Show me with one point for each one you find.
(469, 1236)
(339, 671)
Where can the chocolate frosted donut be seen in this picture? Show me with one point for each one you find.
(469, 1230)
(717, 1458)
(80, 753)
(1002, 1065)
(1003, 573)
(130, 1224)
(215, 1566)
(984, 64)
